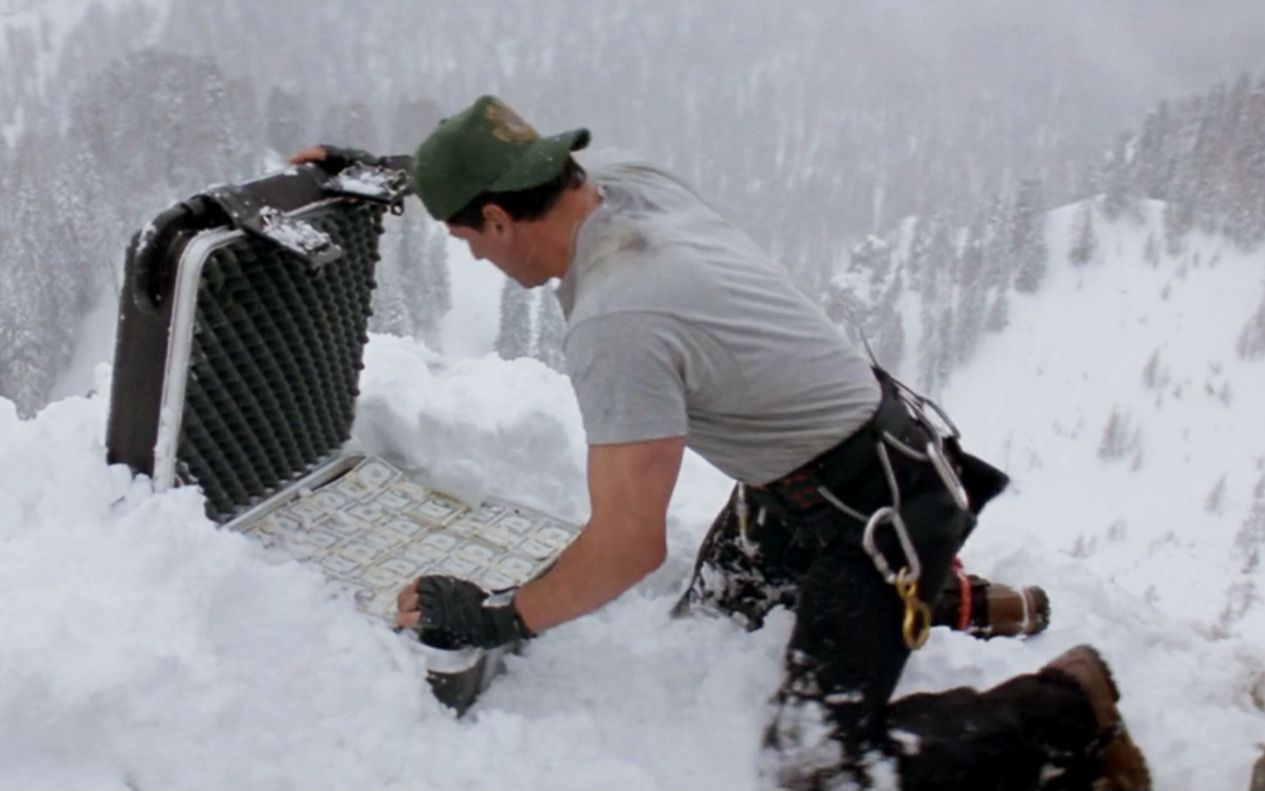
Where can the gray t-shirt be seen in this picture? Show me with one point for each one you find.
(678, 325)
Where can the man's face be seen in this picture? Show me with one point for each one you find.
(508, 245)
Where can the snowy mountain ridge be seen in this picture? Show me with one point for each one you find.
(1128, 381)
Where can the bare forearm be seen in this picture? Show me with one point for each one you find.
(601, 564)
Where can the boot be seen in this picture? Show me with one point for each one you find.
(1121, 765)
(984, 609)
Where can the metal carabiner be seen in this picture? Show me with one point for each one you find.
(950, 428)
(916, 625)
(888, 514)
(935, 452)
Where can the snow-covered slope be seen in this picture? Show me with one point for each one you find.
(1134, 429)
(144, 648)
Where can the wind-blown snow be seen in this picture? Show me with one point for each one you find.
(48, 22)
(145, 648)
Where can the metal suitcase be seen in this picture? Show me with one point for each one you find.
(242, 326)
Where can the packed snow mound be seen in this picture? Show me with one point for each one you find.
(475, 426)
(147, 648)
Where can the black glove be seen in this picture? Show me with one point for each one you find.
(339, 157)
(456, 614)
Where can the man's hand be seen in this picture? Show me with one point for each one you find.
(448, 612)
(315, 153)
(336, 158)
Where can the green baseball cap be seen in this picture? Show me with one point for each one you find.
(486, 148)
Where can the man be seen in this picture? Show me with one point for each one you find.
(850, 507)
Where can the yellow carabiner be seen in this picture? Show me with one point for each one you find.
(916, 625)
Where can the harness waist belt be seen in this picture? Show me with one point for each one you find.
(850, 460)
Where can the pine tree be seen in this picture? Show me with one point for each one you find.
(437, 263)
(998, 313)
(1251, 343)
(1154, 374)
(1028, 236)
(937, 349)
(1178, 217)
(1151, 250)
(1119, 438)
(437, 285)
(38, 314)
(927, 251)
(1152, 165)
(551, 328)
(1209, 148)
(1084, 240)
(390, 304)
(995, 235)
(972, 293)
(936, 344)
(1246, 223)
(514, 338)
(1117, 199)
(409, 261)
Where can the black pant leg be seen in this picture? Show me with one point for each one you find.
(833, 724)
(847, 650)
(745, 578)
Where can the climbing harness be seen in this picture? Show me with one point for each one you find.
(916, 623)
(940, 428)
(803, 489)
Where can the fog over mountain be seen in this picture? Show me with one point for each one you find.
(813, 124)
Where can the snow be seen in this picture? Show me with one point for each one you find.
(145, 648)
(469, 329)
(49, 21)
(1141, 520)
(94, 343)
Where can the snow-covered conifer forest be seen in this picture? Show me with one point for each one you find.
(1049, 215)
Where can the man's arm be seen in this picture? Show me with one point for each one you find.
(626, 538)
(629, 488)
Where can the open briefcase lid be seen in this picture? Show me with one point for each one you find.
(242, 326)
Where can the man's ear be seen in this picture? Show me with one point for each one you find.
(495, 218)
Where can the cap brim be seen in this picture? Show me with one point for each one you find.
(542, 161)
